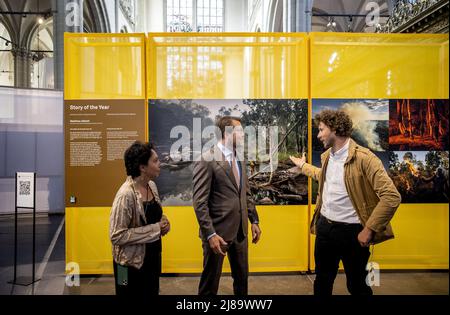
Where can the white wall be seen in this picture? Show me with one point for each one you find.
(6, 60)
(154, 16)
(258, 15)
(32, 140)
(122, 21)
(43, 74)
(6, 65)
(236, 19)
(111, 13)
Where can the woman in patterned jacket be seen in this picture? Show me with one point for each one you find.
(137, 224)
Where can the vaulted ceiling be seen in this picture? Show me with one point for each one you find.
(22, 29)
(348, 7)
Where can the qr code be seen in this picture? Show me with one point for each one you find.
(24, 188)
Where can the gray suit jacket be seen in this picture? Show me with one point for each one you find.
(219, 204)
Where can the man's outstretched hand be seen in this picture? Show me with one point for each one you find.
(299, 162)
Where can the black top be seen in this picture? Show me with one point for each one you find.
(153, 211)
(153, 214)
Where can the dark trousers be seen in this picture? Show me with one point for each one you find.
(335, 242)
(144, 281)
(237, 252)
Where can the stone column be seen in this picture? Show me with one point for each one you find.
(297, 15)
(69, 18)
(22, 67)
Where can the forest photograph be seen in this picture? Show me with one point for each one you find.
(169, 120)
(418, 125)
(370, 119)
(420, 176)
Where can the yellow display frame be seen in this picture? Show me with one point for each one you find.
(87, 228)
(406, 251)
(286, 243)
(73, 68)
(283, 246)
(411, 66)
(233, 44)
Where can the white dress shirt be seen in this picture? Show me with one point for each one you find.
(229, 156)
(336, 204)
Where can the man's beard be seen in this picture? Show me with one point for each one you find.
(328, 144)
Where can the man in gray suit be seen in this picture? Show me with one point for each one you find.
(223, 206)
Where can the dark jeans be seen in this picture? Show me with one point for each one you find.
(335, 242)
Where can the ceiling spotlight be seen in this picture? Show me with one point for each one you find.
(331, 22)
(40, 20)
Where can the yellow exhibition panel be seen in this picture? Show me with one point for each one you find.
(283, 245)
(264, 65)
(227, 65)
(347, 65)
(232, 66)
(390, 66)
(87, 241)
(421, 239)
(104, 66)
(99, 67)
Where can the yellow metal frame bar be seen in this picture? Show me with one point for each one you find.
(142, 43)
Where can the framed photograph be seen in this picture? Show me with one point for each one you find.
(418, 125)
(274, 129)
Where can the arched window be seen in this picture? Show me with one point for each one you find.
(187, 66)
(42, 69)
(6, 58)
(194, 15)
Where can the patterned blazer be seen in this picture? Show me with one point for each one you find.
(128, 235)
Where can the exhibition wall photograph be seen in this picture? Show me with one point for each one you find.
(410, 136)
(274, 129)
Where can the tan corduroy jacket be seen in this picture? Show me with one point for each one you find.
(371, 190)
(127, 233)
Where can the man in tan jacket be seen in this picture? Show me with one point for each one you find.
(355, 203)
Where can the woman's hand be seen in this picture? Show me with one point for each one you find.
(164, 224)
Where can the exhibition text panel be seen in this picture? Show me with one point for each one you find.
(97, 133)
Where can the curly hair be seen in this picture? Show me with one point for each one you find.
(336, 120)
(136, 155)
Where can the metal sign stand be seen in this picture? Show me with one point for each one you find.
(25, 280)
